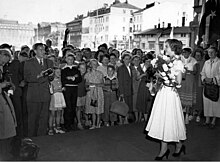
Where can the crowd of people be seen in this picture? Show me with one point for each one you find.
(42, 93)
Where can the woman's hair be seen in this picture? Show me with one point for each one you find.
(148, 56)
(175, 45)
(103, 56)
(111, 66)
(200, 50)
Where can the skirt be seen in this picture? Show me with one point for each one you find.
(166, 121)
(57, 101)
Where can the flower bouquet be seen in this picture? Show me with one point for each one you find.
(165, 74)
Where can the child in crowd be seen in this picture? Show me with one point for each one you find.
(57, 104)
(110, 95)
(81, 98)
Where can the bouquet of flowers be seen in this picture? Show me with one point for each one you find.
(163, 66)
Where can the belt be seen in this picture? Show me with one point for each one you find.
(70, 85)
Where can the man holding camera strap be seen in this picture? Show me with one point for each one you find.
(37, 74)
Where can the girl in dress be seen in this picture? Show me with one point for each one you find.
(166, 121)
(57, 104)
(94, 96)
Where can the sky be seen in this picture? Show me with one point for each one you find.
(64, 11)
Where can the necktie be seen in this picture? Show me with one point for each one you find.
(41, 62)
(212, 63)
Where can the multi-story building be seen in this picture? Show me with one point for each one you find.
(53, 31)
(111, 25)
(146, 39)
(86, 40)
(16, 34)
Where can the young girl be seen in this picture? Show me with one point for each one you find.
(81, 98)
(110, 95)
(57, 104)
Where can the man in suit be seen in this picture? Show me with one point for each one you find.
(125, 82)
(38, 94)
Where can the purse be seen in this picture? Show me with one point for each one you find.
(120, 107)
(211, 91)
(94, 102)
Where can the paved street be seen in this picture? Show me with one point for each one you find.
(126, 143)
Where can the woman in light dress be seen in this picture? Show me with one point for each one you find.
(166, 121)
(211, 72)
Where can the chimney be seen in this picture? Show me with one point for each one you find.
(155, 26)
(169, 25)
(163, 24)
(183, 19)
(159, 26)
(126, 1)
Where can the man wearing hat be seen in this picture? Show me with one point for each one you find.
(38, 93)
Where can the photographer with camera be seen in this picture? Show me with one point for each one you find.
(38, 73)
(7, 115)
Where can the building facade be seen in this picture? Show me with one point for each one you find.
(146, 40)
(16, 34)
(112, 25)
(54, 31)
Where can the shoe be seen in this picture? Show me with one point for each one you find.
(182, 149)
(79, 125)
(212, 126)
(87, 123)
(59, 130)
(205, 124)
(190, 117)
(92, 127)
(50, 132)
(159, 158)
(198, 119)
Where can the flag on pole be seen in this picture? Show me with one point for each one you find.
(171, 33)
(212, 12)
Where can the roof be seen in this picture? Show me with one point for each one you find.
(125, 5)
(166, 31)
(147, 7)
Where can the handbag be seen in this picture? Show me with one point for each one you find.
(120, 107)
(211, 91)
(94, 101)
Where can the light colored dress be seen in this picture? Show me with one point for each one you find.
(95, 93)
(57, 101)
(166, 121)
(187, 91)
(211, 109)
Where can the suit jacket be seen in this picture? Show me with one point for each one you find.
(15, 69)
(125, 80)
(38, 88)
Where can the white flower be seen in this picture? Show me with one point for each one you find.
(172, 76)
(165, 78)
(166, 81)
(153, 62)
(165, 58)
(165, 67)
(163, 74)
(173, 80)
(170, 64)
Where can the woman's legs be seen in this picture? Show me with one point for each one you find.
(163, 148)
(178, 147)
(58, 118)
(213, 120)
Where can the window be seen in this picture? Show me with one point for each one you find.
(123, 29)
(123, 19)
(124, 37)
(107, 19)
(124, 11)
(106, 28)
(130, 29)
(183, 35)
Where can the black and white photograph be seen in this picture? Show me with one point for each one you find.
(109, 80)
